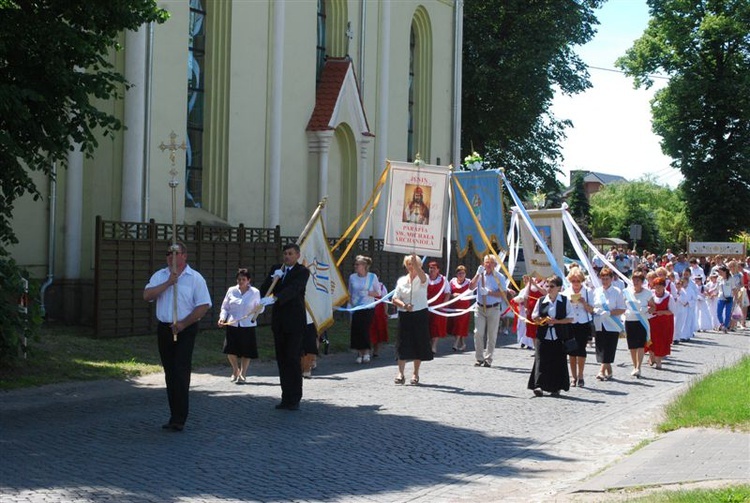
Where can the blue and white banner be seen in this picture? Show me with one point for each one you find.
(325, 288)
(482, 205)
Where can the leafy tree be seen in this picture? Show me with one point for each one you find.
(516, 53)
(658, 209)
(55, 61)
(703, 114)
(578, 203)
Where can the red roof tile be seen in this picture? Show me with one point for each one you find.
(329, 89)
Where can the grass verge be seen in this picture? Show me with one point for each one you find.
(732, 494)
(64, 353)
(719, 400)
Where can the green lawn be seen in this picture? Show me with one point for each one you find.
(63, 353)
(719, 400)
(735, 494)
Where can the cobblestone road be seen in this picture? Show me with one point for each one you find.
(463, 434)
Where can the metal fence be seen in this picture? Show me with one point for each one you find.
(128, 253)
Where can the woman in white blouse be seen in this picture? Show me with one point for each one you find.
(237, 309)
(413, 339)
(724, 287)
(580, 308)
(639, 302)
(609, 305)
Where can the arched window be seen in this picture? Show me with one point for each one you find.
(337, 25)
(410, 154)
(420, 86)
(195, 105)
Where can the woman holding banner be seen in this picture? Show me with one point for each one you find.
(413, 339)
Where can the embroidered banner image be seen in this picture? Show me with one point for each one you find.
(482, 205)
(415, 221)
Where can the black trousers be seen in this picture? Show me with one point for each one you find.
(288, 347)
(177, 360)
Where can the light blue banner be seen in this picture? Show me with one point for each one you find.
(483, 190)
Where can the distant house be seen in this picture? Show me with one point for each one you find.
(592, 182)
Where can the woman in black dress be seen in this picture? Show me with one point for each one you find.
(410, 297)
(550, 370)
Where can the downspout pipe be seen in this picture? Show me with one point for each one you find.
(147, 125)
(457, 76)
(51, 238)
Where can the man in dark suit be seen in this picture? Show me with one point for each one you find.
(288, 321)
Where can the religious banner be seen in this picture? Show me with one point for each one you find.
(415, 218)
(478, 207)
(548, 227)
(326, 288)
(705, 248)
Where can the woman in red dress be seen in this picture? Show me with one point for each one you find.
(661, 323)
(379, 324)
(535, 292)
(437, 283)
(458, 326)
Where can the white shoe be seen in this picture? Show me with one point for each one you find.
(358, 360)
(307, 374)
(366, 358)
(634, 372)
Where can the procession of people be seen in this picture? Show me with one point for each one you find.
(664, 303)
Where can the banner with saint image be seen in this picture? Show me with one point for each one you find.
(415, 220)
(548, 226)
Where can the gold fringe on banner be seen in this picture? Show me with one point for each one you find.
(374, 196)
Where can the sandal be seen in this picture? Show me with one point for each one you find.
(399, 380)
(414, 380)
(574, 382)
(601, 377)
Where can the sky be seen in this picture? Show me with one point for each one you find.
(611, 130)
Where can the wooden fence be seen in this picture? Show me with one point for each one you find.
(128, 253)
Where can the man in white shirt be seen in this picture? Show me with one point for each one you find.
(177, 330)
(491, 299)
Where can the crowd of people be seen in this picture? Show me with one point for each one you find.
(665, 301)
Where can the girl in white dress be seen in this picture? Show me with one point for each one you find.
(703, 313)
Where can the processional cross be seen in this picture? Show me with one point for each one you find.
(173, 147)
